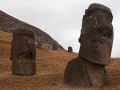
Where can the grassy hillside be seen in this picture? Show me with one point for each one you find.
(5, 44)
(9, 24)
(50, 67)
(5, 37)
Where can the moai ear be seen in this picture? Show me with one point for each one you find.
(81, 37)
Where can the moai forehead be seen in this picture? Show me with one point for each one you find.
(22, 33)
(99, 6)
(97, 34)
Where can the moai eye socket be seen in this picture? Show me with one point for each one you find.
(105, 32)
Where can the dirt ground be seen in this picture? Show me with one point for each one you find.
(50, 66)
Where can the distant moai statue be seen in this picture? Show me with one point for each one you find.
(96, 39)
(54, 46)
(23, 52)
(70, 49)
(39, 44)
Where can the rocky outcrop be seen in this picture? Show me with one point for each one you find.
(10, 24)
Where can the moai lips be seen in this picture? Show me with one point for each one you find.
(23, 52)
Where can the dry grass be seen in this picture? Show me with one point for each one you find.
(50, 67)
(5, 37)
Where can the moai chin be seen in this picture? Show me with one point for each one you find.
(95, 51)
(23, 52)
(70, 49)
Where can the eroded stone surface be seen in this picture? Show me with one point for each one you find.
(95, 51)
(54, 46)
(23, 52)
(70, 49)
(97, 34)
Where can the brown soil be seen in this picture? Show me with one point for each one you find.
(50, 67)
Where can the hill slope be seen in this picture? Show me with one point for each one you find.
(9, 24)
(50, 66)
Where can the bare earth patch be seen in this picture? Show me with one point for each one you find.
(50, 66)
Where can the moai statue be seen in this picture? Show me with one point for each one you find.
(23, 52)
(54, 46)
(39, 44)
(70, 49)
(96, 39)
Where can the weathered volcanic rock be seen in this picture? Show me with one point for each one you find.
(70, 49)
(54, 46)
(23, 52)
(95, 51)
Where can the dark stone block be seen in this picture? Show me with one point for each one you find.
(39, 46)
(70, 49)
(55, 46)
(95, 51)
(23, 52)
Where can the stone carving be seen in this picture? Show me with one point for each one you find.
(23, 52)
(54, 46)
(96, 39)
(70, 49)
(39, 44)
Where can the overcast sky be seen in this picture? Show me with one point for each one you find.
(61, 19)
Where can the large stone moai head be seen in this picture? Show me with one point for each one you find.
(97, 34)
(23, 52)
(54, 46)
(70, 49)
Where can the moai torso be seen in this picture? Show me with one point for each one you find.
(23, 52)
